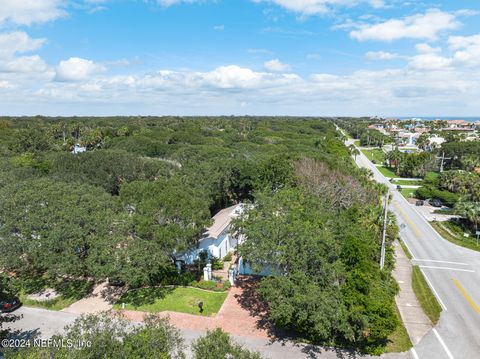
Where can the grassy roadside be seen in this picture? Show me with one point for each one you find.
(407, 182)
(398, 341)
(425, 296)
(405, 249)
(387, 172)
(376, 155)
(408, 192)
(58, 303)
(457, 238)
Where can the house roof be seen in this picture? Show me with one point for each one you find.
(223, 219)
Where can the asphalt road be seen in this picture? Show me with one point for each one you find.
(453, 273)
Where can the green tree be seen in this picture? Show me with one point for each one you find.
(115, 338)
(55, 228)
(470, 210)
(217, 344)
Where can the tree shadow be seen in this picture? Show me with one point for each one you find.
(251, 301)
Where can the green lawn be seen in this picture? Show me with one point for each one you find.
(387, 172)
(357, 143)
(58, 303)
(425, 296)
(407, 182)
(178, 299)
(408, 192)
(398, 341)
(376, 155)
(446, 229)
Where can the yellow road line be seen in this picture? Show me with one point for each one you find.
(414, 227)
(467, 296)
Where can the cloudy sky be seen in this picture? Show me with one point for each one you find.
(214, 57)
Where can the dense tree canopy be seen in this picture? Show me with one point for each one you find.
(147, 187)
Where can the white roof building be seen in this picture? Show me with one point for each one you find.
(217, 240)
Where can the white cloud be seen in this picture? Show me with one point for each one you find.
(77, 69)
(467, 50)
(420, 26)
(429, 61)
(24, 64)
(167, 3)
(427, 49)
(276, 65)
(219, 27)
(18, 42)
(27, 12)
(381, 55)
(316, 7)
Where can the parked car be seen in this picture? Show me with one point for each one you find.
(419, 203)
(9, 304)
(436, 202)
(399, 187)
(115, 282)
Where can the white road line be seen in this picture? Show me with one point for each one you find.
(414, 353)
(434, 291)
(449, 268)
(437, 261)
(443, 344)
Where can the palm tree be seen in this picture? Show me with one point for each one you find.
(470, 210)
(394, 158)
(353, 151)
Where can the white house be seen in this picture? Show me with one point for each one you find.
(78, 149)
(217, 240)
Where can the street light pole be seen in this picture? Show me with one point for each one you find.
(382, 251)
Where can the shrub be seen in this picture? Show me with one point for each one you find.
(428, 192)
(211, 285)
(217, 264)
(226, 285)
(228, 257)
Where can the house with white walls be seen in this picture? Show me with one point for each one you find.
(217, 240)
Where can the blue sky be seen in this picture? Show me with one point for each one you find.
(258, 57)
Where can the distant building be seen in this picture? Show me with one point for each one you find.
(408, 138)
(459, 125)
(78, 149)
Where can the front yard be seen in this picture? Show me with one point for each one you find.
(176, 299)
(376, 155)
(387, 172)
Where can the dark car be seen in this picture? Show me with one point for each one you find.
(116, 282)
(399, 187)
(436, 202)
(419, 203)
(9, 304)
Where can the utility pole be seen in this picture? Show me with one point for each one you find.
(442, 160)
(382, 251)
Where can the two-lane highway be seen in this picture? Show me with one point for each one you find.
(452, 272)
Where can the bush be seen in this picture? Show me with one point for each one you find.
(228, 257)
(217, 264)
(226, 285)
(428, 192)
(218, 345)
(211, 285)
